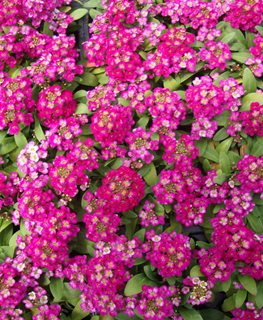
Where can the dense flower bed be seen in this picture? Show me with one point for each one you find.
(131, 182)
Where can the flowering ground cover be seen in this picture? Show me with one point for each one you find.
(131, 162)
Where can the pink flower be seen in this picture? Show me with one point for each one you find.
(122, 189)
(169, 253)
(111, 124)
(54, 104)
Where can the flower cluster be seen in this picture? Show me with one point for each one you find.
(251, 173)
(101, 225)
(169, 253)
(203, 128)
(149, 216)
(255, 62)
(47, 244)
(111, 124)
(199, 290)
(153, 303)
(167, 111)
(66, 174)
(131, 182)
(8, 190)
(245, 14)
(234, 243)
(140, 145)
(53, 104)
(252, 120)
(250, 313)
(121, 189)
(216, 54)
(106, 276)
(16, 103)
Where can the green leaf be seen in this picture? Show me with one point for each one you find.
(93, 13)
(71, 295)
(255, 223)
(79, 13)
(149, 273)
(223, 76)
(223, 118)
(78, 313)
(171, 281)
(151, 177)
(249, 81)
(88, 79)
(220, 178)
(140, 234)
(7, 251)
(85, 247)
(248, 283)
(124, 102)
(174, 225)
(241, 56)
(260, 29)
(46, 29)
(172, 83)
(56, 287)
(250, 39)
(6, 235)
(233, 157)
(103, 78)
(229, 37)
(4, 223)
(240, 37)
(229, 304)
(225, 145)
(2, 136)
(259, 296)
(190, 314)
(195, 271)
(12, 240)
(99, 70)
(249, 98)
(93, 4)
(206, 165)
(7, 146)
(212, 314)
(202, 146)
(134, 285)
(223, 286)
(202, 244)
(123, 316)
(143, 54)
(80, 94)
(20, 140)
(224, 162)
(181, 94)
(15, 72)
(257, 147)
(197, 44)
(117, 163)
(258, 200)
(82, 109)
(240, 298)
(220, 135)
(143, 122)
(39, 133)
(211, 154)
(139, 261)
